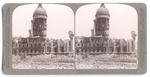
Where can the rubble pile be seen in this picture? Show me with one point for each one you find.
(107, 61)
(50, 61)
(44, 62)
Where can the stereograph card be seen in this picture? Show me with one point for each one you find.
(74, 38)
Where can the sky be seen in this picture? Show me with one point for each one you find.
(123, 20)
(60, 20)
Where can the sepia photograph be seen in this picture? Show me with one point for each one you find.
(96, 36)
(106, 37)
(42, 37)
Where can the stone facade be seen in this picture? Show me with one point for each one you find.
(98, 45)
(37, 46)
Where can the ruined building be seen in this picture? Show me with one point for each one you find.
(100, 42)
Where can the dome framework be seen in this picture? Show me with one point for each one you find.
(40, 12)
(102, 11)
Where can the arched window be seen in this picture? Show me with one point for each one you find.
(55, 48)
(32, 45)
(23, 45)
(97, 44)
(27, 51)
(97, 50)
(78, 44)
(31, 51)
(87, 44)
(39, 44)
(93, 50)
(35, 51)
(77, 50)
(49, 49)
(35, 45)
(82, 50)
(16, 45)
(85, 50)
(93, 45)
(19, 51)
(90, 50)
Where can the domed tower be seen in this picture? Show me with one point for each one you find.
(39, 22)
(101, 22)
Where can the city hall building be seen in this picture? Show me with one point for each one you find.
(37, 42)
(100, 42)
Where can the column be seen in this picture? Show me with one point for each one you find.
(127, 46)
(52, 47)
(71, 45)
(108, 49)
(121, 47)
(114, 47)
(58, 49)
(45, 47)
(133, 46)
(65, 47)
(91, 50)
(130, 47)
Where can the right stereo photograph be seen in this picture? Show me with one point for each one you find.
(106, 37)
